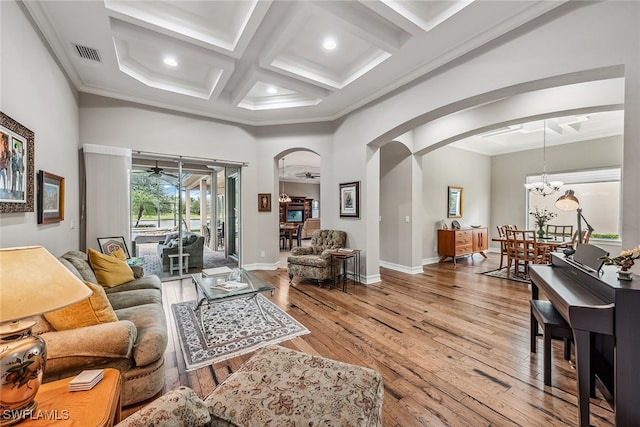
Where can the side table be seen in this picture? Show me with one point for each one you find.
(59, 407)
(174, 258)
(345, 256)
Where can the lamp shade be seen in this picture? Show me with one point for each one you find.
(33, 281)
(568, 201)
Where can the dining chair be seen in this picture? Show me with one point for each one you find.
(298, 234)
(284, 237)
(522, 250)
(502, 235)
(586, 235)
(560, 231)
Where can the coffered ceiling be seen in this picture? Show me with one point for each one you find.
(269, 61)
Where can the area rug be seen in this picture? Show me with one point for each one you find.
(152, 264)
(231, 328)
(501, 273)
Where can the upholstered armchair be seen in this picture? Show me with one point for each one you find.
(314, 261)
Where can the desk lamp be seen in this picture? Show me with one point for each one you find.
(569, 202)
(32, 282)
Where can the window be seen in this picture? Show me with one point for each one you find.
(597, 190)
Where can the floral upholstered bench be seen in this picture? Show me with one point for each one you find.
(278, 386)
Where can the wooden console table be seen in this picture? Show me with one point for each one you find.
(59, 407)
(462, 241)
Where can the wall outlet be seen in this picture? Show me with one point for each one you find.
(406, 218)
(262, 254)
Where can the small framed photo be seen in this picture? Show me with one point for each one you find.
(108, 245)
(50, 198)
(264, 202)
(350, 199)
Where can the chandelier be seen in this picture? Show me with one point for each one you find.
(283, 196)
(544, 187)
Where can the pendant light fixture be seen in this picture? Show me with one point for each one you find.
(283, 196)
(544, 187)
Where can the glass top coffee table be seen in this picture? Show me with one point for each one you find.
(217, 287)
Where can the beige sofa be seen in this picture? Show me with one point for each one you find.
(135, 344)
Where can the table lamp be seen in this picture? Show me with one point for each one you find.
(32, 281)
(569, 202)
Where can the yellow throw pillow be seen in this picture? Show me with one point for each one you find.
(109, 270)
(91, 311)
(119, 253)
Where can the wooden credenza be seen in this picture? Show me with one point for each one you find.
(464, 241)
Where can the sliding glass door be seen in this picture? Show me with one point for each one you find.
(184, 215)
(233, 212)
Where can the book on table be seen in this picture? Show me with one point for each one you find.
(216, 270)
(230, 286)
(345, 250)
(86, 380)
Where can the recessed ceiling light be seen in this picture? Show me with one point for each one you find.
(170, 61)
(329, 43)
(272, 90)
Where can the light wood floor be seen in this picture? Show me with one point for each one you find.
(451, 344)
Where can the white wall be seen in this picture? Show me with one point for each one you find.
(302, 189)
(446, 167)
(508, 173)
(395, 206)
(104, 121)
(35, 93)
(520, 62)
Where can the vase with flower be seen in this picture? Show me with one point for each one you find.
(625, 261)
(542, 217)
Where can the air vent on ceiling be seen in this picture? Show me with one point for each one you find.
(88, 53)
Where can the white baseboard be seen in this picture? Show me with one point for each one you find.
(401, 268)
(261, 266)
(432, 260)
(368, 280)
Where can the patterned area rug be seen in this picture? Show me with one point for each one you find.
(231, 328)
(501, 273)
(152, 264)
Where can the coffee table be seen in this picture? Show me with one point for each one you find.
(213, 289)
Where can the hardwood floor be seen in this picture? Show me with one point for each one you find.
(451, 344)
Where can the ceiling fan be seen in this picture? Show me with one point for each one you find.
(158, 172)
(308, 175)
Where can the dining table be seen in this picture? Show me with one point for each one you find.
(552, 243)
(289, 229)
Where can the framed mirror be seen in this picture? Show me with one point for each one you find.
(454, 202)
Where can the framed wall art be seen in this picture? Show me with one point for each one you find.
(264, 202)
(454, 202)
(350, 199)
(108, 245)
(16, 166)
(50, 198)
